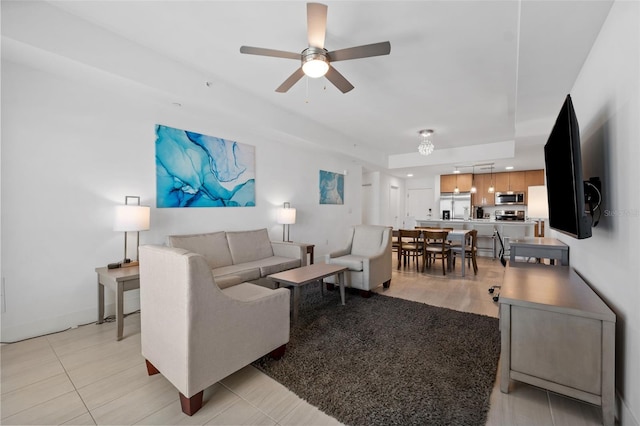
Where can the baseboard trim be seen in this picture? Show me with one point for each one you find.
(625, 416)
(64, 322)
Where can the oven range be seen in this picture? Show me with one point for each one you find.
(510, 215)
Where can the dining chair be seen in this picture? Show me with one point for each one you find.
(436, 247)
(410, 246)
(470, 250)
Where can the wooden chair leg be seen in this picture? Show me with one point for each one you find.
(191, 405)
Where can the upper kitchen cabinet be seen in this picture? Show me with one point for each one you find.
(448, 183)
(482, 197)
(533, 178)
(501, 181)
(510, 181)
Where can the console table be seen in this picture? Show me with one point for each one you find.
(541, 248)
(557, 334)
(119, 280)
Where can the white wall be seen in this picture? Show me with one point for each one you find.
(75, 143)
(606, 97)
(381, 185)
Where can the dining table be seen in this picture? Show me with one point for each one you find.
(456, 235)
(460, 235)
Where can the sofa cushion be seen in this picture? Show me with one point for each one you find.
(351, 261)
(275, 264)
(212, 246)
(367, 240)
(247, 292)
(248, 246)
(244, 271)
(227, 281)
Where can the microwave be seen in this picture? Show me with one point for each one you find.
(509, 198)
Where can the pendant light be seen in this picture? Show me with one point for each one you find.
(491, 188)
(473, 180)
(456, 190)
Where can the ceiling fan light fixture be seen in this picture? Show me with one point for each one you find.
(314, 62)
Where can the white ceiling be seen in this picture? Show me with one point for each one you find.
(488, 76)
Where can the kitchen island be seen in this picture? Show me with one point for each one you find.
(487, 245)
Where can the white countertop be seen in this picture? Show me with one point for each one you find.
(498, 222)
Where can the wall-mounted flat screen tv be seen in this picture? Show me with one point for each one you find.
(565, 182)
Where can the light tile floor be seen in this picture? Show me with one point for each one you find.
(84, 376)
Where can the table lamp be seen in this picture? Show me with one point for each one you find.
(286, 216)
(538, 207)
(131, 218)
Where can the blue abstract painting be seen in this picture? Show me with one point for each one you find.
(331, 188)
(194, 170)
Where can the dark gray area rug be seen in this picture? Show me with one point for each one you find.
(388, 361)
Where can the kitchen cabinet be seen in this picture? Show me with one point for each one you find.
(504, 181)
(532, 178)
(482, 197)
(510, 181)
(516, 182)
(448, 183)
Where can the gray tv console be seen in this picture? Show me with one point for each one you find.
(557, 334)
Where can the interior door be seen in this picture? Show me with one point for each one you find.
(394, 206)
(419, 201)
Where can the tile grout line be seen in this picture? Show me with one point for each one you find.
(71, 381)
(251, 404)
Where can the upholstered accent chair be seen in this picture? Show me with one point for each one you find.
(368, 257)
(195, 333)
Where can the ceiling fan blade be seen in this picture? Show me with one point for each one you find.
(289, 82)
(375, 49)
(269, 52)
(338, 80)
(316, 24)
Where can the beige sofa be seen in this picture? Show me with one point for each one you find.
(242, 256)
(195, 333)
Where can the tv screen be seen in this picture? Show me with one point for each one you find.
(565, 183)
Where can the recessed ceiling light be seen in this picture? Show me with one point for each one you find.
(456, 171)
(509, 168)
(409, 174)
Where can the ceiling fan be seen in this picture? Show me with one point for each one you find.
(316, 60)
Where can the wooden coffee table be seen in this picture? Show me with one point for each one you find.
(298, 277)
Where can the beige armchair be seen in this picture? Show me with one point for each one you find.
(368, 257)
(196, 334)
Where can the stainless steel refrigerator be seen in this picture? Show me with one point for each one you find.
(458, 205)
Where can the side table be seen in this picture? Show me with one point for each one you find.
(310, 248)
(119, 280)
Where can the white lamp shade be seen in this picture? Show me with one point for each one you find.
(286, 216)
(537, 203)
(132, 218)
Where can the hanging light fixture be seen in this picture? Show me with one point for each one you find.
(491, 188)
(426, 146)
(473, 180)
(456, 190)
